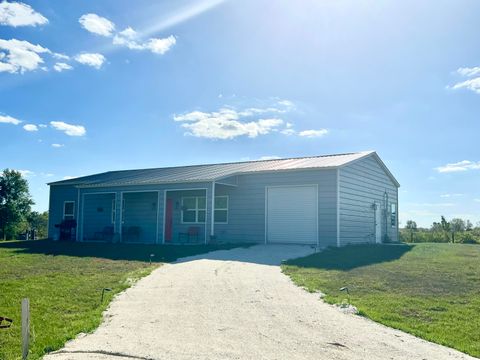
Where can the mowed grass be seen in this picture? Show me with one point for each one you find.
(64, 282)
(429, 290)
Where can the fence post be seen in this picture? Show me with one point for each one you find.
(25, 327)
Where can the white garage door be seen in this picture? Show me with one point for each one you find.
(292, 214)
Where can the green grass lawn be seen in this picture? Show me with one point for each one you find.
(429, 290)
(64, 282)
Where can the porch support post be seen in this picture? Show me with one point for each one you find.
(118, 215)
(212, 225)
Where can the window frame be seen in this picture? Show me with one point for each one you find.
(196, 209)
(393, 214)
(73, 210)
(222, 209)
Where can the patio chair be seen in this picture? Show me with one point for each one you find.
(132, 234)
(192, 233)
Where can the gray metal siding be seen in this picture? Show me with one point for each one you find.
(140, 211)
(58, 195)
(246, 218)
(362, 184)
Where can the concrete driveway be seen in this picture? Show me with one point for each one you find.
(237, 304)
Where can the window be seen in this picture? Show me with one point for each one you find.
(68, 210)
(393, 214)
(114, 211)
(221, 209)
(194, 209)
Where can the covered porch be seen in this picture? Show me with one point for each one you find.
(162, 214)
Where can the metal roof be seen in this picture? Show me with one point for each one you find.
(212, 172)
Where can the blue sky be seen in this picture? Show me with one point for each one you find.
(93, 86)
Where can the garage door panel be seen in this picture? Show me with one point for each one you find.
(292, 214)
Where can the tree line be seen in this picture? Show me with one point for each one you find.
(16, 215)
(455, 231)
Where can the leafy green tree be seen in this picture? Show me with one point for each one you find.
(412, 227)
(15, 201)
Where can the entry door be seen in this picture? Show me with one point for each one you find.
(169, 220)
(378, 224)
(292, 214)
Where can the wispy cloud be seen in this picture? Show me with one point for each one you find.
(5, 119)
(55, 145)
(451, 195)
(313, 133)
(30, 127)
(69, 129)
(61, 66)
(20, 14)
(460, 166)
(128, 37)
(472, 84)
(97, 24)
(94, 60)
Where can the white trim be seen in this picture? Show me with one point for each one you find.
(212, 225)
(164, 214)
(158, 214)
(65, 202)
(290, 185)
(338, 207)
(197, 210)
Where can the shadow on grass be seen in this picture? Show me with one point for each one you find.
(137, 252)
(352, 256)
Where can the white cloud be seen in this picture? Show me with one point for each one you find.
(60, 66)
(225, 124)
(42, 125)
(97, 24)
(313, 133)
(20, 14)
(229, 123)
(432, 205)
(466, 71)
(30, 127)
(5, 119)
(471, 84)
(26, 173)
(160, 46)
(463, 165)
(47, 174)
(69, 129)
(18, 56)
(68, 177)
(91, 59)
(129, 39)
(57, 145)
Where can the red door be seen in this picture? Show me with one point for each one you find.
(169, 220)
